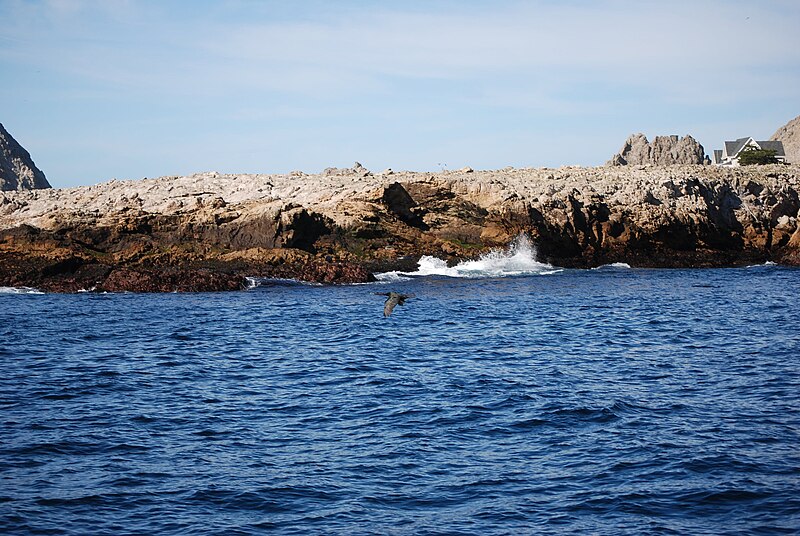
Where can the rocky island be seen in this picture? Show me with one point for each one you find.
(653, 205)
(209, 231)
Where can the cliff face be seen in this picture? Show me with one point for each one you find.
(208, 231)
(664, 151)
(17, 170)
(789, 134)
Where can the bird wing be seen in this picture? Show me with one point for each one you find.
(404, 297)
(389, 304)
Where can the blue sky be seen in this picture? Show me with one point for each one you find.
(107, 89)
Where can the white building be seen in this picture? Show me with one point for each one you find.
(729, 154)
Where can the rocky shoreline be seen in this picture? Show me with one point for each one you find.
(210, 231)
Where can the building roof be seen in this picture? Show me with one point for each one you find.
(776, 146)
(732, 148)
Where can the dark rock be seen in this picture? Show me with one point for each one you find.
(301, 229)
(17, 170)
(170, 280)
(401, 204)
(618, 160)
(329, 273)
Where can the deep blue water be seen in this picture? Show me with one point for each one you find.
(610, 401)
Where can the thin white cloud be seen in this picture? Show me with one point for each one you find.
(666, 43)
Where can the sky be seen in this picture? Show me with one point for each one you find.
(105, 89)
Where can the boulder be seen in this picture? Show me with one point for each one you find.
(663, 151)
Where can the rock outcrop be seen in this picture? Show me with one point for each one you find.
(789, 135)
(17, 170)
(664, 151)
(209, 231)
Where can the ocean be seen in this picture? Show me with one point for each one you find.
(506, 397)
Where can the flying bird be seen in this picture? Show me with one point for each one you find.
(392, 299)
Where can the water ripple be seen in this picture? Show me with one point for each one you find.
(611, 401)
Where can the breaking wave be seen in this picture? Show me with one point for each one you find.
(19, 290)
(766, 264)
(518, 259)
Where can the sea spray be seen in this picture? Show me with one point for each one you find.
(20, 290)
(518, 259)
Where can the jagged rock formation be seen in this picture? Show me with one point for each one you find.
(789, 134)
(207, 231)
(664, 151)
(17, 170)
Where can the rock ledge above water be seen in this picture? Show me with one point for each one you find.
(208, 231)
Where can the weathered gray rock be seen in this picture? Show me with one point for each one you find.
(17, 170)
(789, 134)
(663, 151)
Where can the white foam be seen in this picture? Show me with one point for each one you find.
(391, 277)
(20, 290)
(619, 265)
(253, 282)
(768, 263)
(519, 259)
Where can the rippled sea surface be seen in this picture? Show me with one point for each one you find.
(611, 401)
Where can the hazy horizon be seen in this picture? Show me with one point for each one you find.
(125, 89)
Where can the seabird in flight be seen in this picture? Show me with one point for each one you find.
(393, 298)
